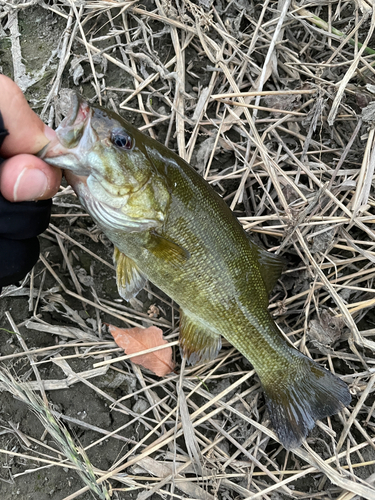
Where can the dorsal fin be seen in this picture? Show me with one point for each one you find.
(270, 265)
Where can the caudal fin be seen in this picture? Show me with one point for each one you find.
(295, 403)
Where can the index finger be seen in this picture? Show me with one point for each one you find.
(27, 132)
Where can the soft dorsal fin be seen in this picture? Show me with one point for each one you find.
(270, 265)
(197, 343)
(130, 280)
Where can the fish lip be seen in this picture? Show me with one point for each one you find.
(78, 116)
(69, 120)
(67, 143)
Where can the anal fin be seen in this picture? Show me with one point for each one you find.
(130, 280)
(197, 343)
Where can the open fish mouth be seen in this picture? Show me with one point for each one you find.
(75, 104)
(79, 111)
(71, 129)
(74, 139)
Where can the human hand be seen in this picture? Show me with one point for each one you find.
(24, 177)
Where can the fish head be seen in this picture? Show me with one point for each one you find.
(106, 162)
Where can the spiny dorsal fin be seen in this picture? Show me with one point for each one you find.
(130, 279)
(197, 343)
(270, 265)
(167, 250)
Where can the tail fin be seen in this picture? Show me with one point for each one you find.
(299, 400)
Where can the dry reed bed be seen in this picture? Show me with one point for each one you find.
(278, 91)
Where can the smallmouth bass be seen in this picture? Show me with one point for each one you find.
(170, 227)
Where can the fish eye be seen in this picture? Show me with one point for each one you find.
(121, 139)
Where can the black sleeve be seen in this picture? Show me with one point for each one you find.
(20, 223)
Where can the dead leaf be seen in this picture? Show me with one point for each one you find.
(326, 330)
(282, 102)
(134, 340)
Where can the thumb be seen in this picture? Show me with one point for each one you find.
(27, 178)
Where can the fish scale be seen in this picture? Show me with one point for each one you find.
(169, 226)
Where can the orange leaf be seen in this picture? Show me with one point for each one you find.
(134, 340)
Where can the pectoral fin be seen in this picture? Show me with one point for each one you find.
(130, 280)
(197, 344)
(167, 250)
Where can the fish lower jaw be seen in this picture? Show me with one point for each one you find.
(68, 161)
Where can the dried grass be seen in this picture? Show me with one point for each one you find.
(279, 95)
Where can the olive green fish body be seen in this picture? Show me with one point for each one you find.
(219, 285)
(170, 227)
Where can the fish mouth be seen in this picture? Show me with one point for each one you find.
(71, 129)
(79, 111)
(75, 103)
(74, 139)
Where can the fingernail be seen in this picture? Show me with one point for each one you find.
(49, 133)
(30, 185)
